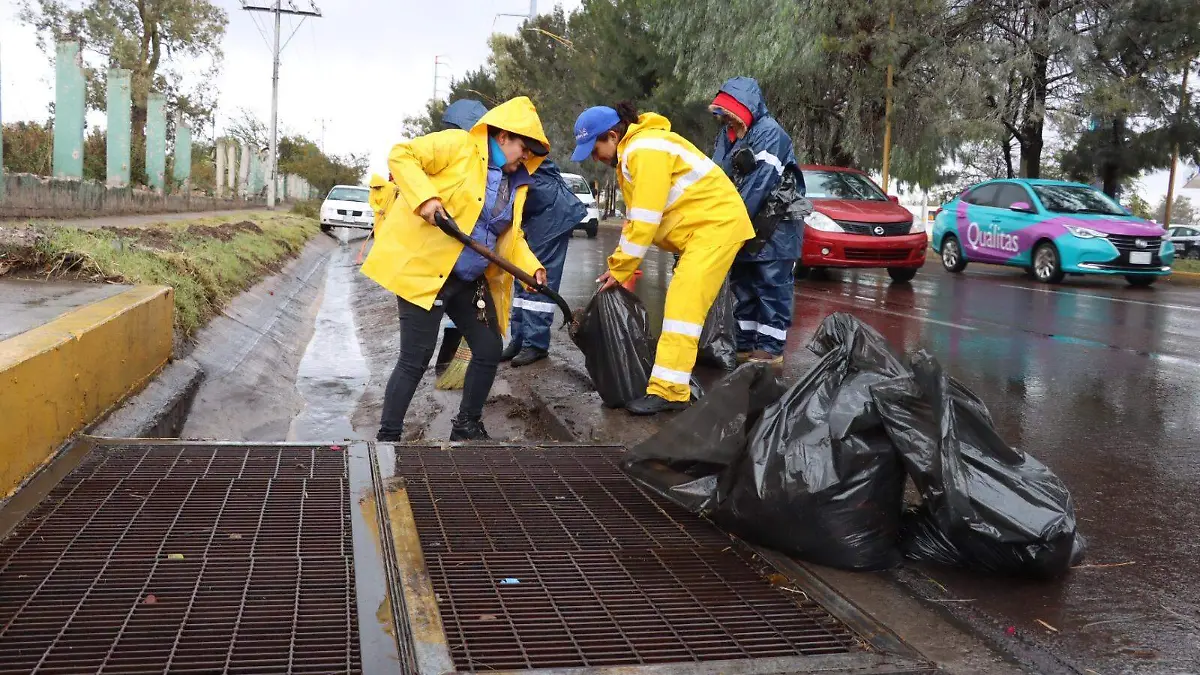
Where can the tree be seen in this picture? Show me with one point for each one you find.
(479, 84)
(1131, 92)
(822, 65)
(151, 38)
(1140, 207)
(1183, 212)
(303, 157)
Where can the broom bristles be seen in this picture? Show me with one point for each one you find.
(455, 375)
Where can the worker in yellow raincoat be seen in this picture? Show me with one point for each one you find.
(679, 200)
(480, 178)
(383, 194)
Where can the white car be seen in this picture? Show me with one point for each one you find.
(346, 205)
(591, 222)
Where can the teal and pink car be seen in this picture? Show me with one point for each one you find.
(1050, 228)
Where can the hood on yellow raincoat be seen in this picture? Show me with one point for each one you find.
(412, 258)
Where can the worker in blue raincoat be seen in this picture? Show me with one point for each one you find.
(551, 212)
(762, 274)
(462, 114)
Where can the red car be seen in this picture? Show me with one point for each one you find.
(855, 225)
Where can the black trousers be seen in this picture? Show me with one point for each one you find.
(418, 337)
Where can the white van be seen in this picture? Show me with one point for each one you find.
(591, 221)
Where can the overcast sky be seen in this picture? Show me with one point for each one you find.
(362, 67)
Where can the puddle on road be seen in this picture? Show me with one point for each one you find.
(333, 373)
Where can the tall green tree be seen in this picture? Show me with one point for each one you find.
(151, 38)
(1183, 212)
(823, 67)
(1130, 90)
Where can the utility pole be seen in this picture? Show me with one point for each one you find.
(273, 149)
(437, 64)
(887, 116)
(531, 15)
(1183, 104)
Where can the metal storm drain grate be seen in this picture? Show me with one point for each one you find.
(553, 558)
(185, 558)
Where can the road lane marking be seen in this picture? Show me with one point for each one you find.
(1185, 308)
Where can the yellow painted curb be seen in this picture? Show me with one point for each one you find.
(60, 377)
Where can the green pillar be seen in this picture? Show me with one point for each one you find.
(156, 141)
(120, 127)
(183, 154)
(69, 98)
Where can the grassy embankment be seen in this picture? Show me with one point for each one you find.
(207, 261)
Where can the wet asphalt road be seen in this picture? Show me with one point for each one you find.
(1100, 382)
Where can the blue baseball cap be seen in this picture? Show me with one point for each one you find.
(592, 124)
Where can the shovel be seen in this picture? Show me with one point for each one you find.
(446, 224)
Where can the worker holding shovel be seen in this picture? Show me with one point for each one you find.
(682, 201)
(480, 177)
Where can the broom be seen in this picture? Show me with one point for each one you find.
(455, 375)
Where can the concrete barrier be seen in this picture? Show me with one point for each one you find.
(29, 196)
(57, 379)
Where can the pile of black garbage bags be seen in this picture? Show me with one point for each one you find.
(818, 470)
(618, 348)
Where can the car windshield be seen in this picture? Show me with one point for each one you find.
(1076, 199)
(348, 194)
(578, 185)
(841, 185)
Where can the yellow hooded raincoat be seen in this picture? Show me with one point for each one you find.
(383, 195)
(412, 258)
(680, 200)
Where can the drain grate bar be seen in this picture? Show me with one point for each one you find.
(186, 558)
(552, 558)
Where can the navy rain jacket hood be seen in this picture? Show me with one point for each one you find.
(773, 152)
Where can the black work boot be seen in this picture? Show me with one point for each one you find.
(510, 352)
(388, 438)
(651, 404)
(468, 429)
(529, 355)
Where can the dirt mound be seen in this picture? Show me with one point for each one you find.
(224, 232)
(145, 237)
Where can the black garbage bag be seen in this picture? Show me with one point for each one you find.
(618, 350)
(985, 505)
(717, 346)
(820, 479)
(614, 336)
(685, 460)
(809, 471)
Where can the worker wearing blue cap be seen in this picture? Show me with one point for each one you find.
(678, 199)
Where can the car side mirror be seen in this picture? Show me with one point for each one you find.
(893, 199)
(1021, 207)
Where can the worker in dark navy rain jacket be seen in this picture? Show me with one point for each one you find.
(551, 213)
(761, 279)
(462, 114)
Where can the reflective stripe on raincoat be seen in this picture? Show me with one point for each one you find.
(773, 152)
(672, 193)
(412, 258)
(680, 200)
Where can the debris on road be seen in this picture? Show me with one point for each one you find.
(613, 333)
(818, 471)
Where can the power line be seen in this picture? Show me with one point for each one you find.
(278, 10)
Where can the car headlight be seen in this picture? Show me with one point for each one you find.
(1085, 232)
(917, 227)
(821, 222)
